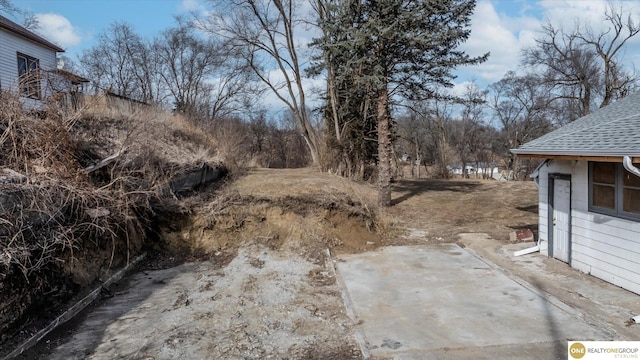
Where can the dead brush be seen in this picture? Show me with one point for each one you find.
(48, 230)
(146, 144)
(50, 222)
(34, 145)
(94, 180)
(57, 221)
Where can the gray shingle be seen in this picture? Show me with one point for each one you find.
(611, 131)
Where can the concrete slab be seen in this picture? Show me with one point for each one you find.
(606, 306)
(443, 302)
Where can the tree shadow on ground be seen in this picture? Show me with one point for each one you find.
(91, 324)
(531, 208)
(560, 343)
(411, 188)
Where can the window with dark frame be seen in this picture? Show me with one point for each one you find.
(29, 76)
(613, 190)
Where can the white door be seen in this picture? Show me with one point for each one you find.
(561, 213)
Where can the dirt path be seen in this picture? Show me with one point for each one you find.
(263, 304)
(264, 289)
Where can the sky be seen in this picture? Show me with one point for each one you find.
(501, 27)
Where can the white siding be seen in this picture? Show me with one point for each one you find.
(10, 45)
(603, 246)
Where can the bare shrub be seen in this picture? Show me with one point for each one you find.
(93, 180)
(233, 142)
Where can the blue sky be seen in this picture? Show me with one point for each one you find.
(502, 27)
(86, 18)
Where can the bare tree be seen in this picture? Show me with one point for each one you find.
(263, 34)
(584, 66)
(413, 139)
(607, 45)
(29, 19)
(232, 87)
(7, 7)
(185, 63)
(120, 62)
(467, 137)
(521, 104)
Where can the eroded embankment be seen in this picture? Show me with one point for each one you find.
(310, 223)
(79, 193)
(214, 225)
(262, 284)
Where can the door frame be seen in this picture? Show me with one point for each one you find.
(551, 184)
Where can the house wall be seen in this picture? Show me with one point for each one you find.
(11, 45)
(603, 246)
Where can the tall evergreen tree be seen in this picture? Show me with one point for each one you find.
(350, 123)
(405, 48)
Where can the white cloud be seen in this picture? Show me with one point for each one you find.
(505, 35)
(58, 29)
(192, 6)
(312, 88)
(564, 14)
(500, 35)
(459, 89)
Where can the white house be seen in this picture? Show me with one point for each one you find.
(27, 62)
(589, 193)
(475, 168)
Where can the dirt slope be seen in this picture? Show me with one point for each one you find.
(441, 208)
(305, 207)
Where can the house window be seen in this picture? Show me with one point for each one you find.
(29, 76)
(613, 190)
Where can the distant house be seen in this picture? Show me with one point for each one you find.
(589, 193)
(28, 65)
(475, 168)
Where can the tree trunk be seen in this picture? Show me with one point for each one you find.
(384, 148)
(417, 161)
(442, 145)
(311, 141)
(463, 160)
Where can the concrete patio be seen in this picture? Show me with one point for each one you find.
(445, 302)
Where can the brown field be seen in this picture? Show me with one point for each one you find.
(442, 208)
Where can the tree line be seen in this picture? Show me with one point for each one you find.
(388, 69)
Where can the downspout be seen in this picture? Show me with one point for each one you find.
(626, 162)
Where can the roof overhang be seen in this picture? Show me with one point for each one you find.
(575, 155)
(76, 79)
(10, 26)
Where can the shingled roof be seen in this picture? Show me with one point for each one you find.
(612, 131)
(19, 30)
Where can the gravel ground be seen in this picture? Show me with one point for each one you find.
(262, 305)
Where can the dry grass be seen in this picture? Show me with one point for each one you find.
(307, 211)
(446, 208)
(443, 208)
(65, 226)
(62, 226)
